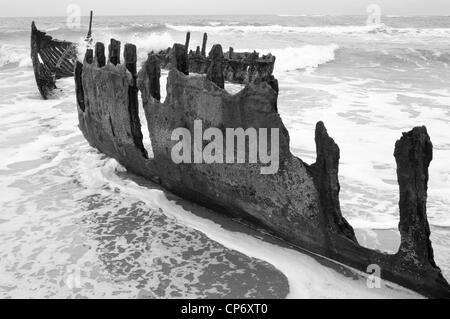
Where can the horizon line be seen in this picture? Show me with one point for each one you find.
(392, 15)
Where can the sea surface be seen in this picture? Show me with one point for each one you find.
(75, 224)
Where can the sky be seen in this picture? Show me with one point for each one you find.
(35, 8)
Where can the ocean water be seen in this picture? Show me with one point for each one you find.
(74, 223)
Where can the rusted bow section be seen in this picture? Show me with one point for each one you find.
(300, 203)
(52, 60)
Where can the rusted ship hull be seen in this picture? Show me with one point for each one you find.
(300, 203)
(52, 60)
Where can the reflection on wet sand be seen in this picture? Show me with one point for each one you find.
(148, 251)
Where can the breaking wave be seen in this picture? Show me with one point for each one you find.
(276, 28)
(10, 55)
(307, 57)
(145, 42)
(333, 30)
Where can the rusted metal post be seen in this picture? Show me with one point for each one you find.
(188, 39)
(130, 58)
(89, 56)
(89, 35)
(413, 154)
(153, 69)
(179, 58)
(215, 71)
(100, 54)
(205, 39)
(230, 53)
(114, 52)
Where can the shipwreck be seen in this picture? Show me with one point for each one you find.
(300, 203)
(237, 67)
(53, 59)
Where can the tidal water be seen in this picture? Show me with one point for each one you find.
(74, 223)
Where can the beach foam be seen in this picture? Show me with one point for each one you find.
(60, 197)
(14, 55)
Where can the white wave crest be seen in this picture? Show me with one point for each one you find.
(11, 54)
(327, 30)
(278, 28)
(307, 57)
(144, 43)
(153, 42)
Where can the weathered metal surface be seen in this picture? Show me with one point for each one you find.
(52, 59)
(299, 203)
(238, 67)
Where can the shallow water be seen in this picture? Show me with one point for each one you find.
(74, 224)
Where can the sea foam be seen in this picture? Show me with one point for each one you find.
(10, 54)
